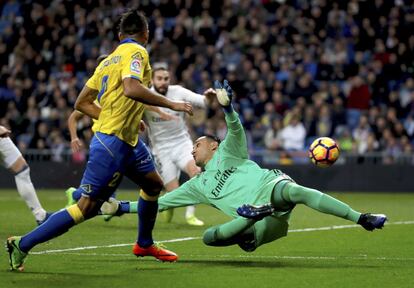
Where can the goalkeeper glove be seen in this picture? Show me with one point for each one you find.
(224, 95)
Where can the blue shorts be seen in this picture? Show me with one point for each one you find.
(109, 159)
(140, 164)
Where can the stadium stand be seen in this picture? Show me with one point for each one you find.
(331, 68)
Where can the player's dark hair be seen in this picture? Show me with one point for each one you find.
(133, 22)
(158, 68)
(213, 138)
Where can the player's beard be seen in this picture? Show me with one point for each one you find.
(160, 92)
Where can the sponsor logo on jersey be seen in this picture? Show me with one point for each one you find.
(221, 178)
(146, 160)
(86, 187)
(157, 119)
(136, 66)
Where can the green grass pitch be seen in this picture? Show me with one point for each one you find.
(98, 254)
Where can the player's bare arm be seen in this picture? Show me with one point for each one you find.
(4, 132)
(75, 142)
(163, 115)
(135, 90)
(86, 102)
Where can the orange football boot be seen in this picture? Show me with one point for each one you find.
(155, 250)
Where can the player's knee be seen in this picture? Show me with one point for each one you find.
(296, 192)
(247, 241)
(149, 196)
(19, 165)
(302, 194)
(248, 247)
(293, 190)
(154, 189)
(88, 207)
(23, 173)
(209, 236)
(151, 192)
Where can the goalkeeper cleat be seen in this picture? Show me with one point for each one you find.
(255, 212)
(167, 215)
(16, 256)
(155, 250)
(372, 221)
(69, 196)
(194, 221)
(40, 222)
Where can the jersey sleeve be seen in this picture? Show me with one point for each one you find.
(187, 194)
(134, 65)
(193, 98)
(235, 143)
(92, 82)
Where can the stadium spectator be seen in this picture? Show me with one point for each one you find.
(272, 137)
(299, 49)
(293, 135)
(361, 134)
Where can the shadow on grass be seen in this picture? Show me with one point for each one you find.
(159, 226)
(286, 263)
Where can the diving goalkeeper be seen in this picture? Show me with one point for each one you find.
(259, 200)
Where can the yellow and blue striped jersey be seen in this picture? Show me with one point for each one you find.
(120, 115)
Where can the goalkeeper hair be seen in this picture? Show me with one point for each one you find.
(213, 138)
(133, 22)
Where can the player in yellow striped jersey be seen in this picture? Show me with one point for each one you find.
(120, 84)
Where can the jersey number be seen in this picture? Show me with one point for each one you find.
(104, 86)
(115, 179)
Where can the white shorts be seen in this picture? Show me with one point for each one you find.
(8, 152)
(171, 161)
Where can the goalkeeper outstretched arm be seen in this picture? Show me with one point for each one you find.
(235, 143)
(185, 195)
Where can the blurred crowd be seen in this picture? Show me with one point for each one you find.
(300, 69)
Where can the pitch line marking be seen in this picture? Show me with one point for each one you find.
(327, 228)
(109, 246)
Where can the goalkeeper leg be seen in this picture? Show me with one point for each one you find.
(230, 233)
(286, 194)
(248, 233)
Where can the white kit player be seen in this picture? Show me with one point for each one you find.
(12, 159)
(170, 141)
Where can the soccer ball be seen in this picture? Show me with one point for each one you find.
(323, 152)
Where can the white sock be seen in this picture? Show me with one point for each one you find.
(27, 192)
(189, 212)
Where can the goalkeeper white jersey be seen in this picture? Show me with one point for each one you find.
(168, 133)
